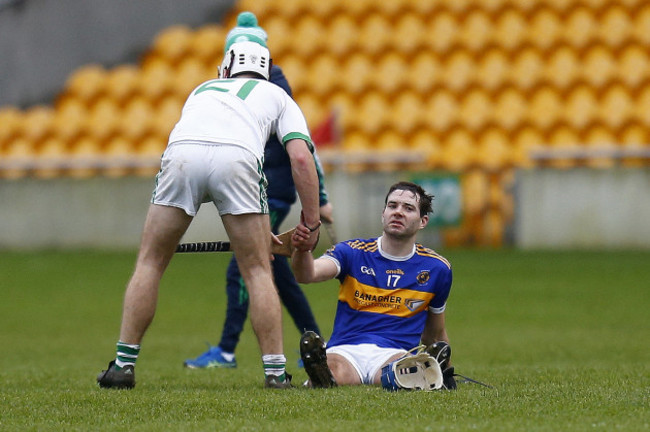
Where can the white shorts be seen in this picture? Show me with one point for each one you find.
(367, 359)
(230, 176)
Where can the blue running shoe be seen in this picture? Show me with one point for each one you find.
(212, 358)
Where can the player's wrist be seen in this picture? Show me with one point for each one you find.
(314, 228)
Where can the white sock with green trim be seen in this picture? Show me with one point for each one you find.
(274, 364)
(126, 355)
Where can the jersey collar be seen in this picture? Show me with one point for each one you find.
(391, 257)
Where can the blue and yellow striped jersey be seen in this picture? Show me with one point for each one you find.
(384, 300)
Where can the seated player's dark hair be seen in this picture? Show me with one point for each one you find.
(424, 199)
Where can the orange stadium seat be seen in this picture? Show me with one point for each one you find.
(167, 113)
(441, 110)
(17, 156)
(565, 141)
(155, 81)
(580, 27)
(69, 120)
(563, 68)
(633, 65)
(545, 29)
(104, 121)
(295, 71)
(342, 35)
(122, 83)
(87, 84)
(344, 106)
(312, 107)
(476, 31)
(642, 107)
(634, 139)
(475, 110)
(119, 152)
(280, 33)
(85, 155)
(580, 107)
(356, 146)
(510, 30)
(263, 9)
(173, 44)
(602, 142)
(509, 110)
(428, 143)
(599, 66)
(137, 120)
(616, 107)
(53, 153)
(475, 185)
(190, 73)
(389, 147)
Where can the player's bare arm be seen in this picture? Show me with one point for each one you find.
(308, 270)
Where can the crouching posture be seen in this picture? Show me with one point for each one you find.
(392, 297)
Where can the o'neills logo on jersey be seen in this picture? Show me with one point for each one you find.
(373, 300)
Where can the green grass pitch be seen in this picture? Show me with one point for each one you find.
(563, 336)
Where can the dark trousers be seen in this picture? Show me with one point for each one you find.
(290, 293)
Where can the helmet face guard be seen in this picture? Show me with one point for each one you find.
(246, 57)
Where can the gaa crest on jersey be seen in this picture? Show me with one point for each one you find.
(423, 277)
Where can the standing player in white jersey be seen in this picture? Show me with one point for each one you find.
(215, 153)
(392, 297)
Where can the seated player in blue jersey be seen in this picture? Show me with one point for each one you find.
(392, 298)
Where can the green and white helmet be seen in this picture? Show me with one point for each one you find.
(246, 57)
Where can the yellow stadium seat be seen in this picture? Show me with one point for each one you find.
(207, 44)
(119, 154)
(308, 37)
(459, 71)
(406, 113)
(599, 66)
(580, 27)
(155, 81)
(87, 84)
(642, 107)
(342, 35)
(494, 150)
(429, 144)
(173, 44)
(493, 69)
(10, 119)
(527, 140)
(510, 30)
(602, 142)
(441, 110)
(443, 29)
(356, 148)
(458, 151)
(18, 157)
(52, 156)
(410, 33)
(642, 24)
(104, 121)
(509, 110)
(565, 142)
(634, 140)
(375, 36)
(344, 106)
(634, 65)
(476, 31)
(389, 148)
(356, 74)
(137, 120)
(69, 120)
(167, 113)
(424, 72)
(475, 110)
(545, 108)
(527, 69)
(545, 29)
(615, 26)
(389, 76)
(85, 156)
(563, 68)
(280, 33)
(580, 107)
(38, 124)
(122, 83)
(312, 107)
(295, 71)
(616, 107)
(475, 184)
(322, 75)
(372, 113)
(263, 9)
(190, 73)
